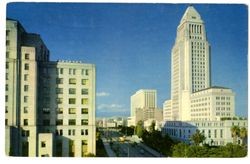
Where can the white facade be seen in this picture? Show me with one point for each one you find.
(45, 145)
(167, 110)
(190, 64)
(192, 97)
(70, 108)
(143, 99)
(24, 52)
(212, 104)
(216, 132)
(43, 96)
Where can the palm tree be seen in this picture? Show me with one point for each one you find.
(243, 135)
(198, 137)
(235, 131)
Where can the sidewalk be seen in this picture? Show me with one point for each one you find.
(108, 148)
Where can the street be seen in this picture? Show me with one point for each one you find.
(127, 148)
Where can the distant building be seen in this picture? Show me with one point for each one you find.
(144, 107)
(143, 98)
(50, 105)
(217, 132)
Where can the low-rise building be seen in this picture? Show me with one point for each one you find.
(217, 132)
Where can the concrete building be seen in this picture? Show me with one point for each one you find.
(46, 98)
(195, 104)
(143, 98)
(191, 75)
(216, 132)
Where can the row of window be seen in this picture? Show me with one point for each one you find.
(46, 122)
(72, 91)
(72, 81)
(72, 132)
(71, 71)
(70, 110)
(84, 101)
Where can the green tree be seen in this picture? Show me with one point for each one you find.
(180, 150)
(139, 128)
(243, 135)
(198, 137)
(235, 131)
(152, 126)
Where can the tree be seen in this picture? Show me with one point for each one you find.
(139, 128)
(243, 135)
(235, 130)
(198, 137)
(180, 150)
(152, 126)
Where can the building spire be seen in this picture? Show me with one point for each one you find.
(191, 15)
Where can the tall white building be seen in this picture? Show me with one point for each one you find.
(195, 104)
(49, 106)
(190, 73)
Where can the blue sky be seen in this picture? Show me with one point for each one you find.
(130, 44)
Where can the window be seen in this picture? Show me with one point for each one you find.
(7, 42)
(6, 76)
(82, 132)
(59, 100)
(59, 90)
(70, 71)
(84, 110)
(86, 132)
(6, 87)
(46, 110)
(59, 81)
(6, 98)
(25, 110)
(84, 91)
(6, 121)
(59, 110)
(26, 88)
(72, 110)
(86, 72)
(43, 144)
(72, 101)
(74, 71)
(7, 32)
(26, 66)
(25, 133)
(6, 109)
(72, 81)
(59, 122)
(85, 101)
(72, 91)
(25, 122)
(61, 70)
(84, 81)
(84, 122)
(27, 56)
(25, 99)
(26, 76)
(69, 132)
(7, 54)
(7, 65)
(72, 122)
(60, 132)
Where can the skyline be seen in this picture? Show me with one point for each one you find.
(130, 44)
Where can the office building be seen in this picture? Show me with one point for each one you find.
(49, 105)
(195, 104)
(192, 96)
